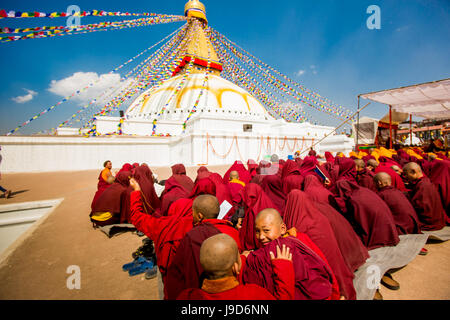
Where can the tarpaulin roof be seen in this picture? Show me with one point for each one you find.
(429, 100)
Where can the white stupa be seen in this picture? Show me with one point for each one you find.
(228, 124)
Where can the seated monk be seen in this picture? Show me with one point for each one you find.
(425, 198)
(235, 187)
(220, 260)
(179, 185)
(114, 203)
(371, 165)
(105, 180)
(165, 231)
(302, 215)
(273, 187)
(255, 200)
(364, 177)
(291, 177)
(244, 175)
(369, 215)
(440, 177)
(405, 217)
(314, 279)
(185, 270)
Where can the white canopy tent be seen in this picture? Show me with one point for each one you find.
(429, 100)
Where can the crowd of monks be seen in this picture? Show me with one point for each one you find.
(294, 229)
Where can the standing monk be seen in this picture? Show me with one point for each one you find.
(424, 198)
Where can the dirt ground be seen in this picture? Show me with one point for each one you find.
(37, 266)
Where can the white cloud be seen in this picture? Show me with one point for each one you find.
(25, 98)
(79, 80)
(299, 73)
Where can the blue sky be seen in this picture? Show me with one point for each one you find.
(324, 45)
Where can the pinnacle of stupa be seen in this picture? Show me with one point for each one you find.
(198, 46)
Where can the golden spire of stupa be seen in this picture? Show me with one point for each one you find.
(199, 47)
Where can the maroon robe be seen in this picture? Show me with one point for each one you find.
(115, 200)
(405, 216)
(306, 218)
(329, 157)
(251, 167)
(440, 176)
(102, 185)
(291, 177)
(255, 201)
(308, 165)
(347, 169)
(395, 177)
(352, 249)
(178, 186)
(425, 199)
(316, 190)
(369, 215)
(185, 270)
(273, 187)
(244, 175)
(144, 177)
(364, 178)
(313, 278)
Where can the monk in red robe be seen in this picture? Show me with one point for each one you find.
(397, 181)
(291, 177)
(440, 176)
(244, 175)
(368, 214)
(179, 185)
(273, 187)
(255, 200)
(364, 177)
(306, 218)
(425, 198)
(105, 180)
(405, 216)
(144, 177)
(235, 187)
(350, 245)
(185, 271)
(222, 265)
(113, 204)
(313, 276)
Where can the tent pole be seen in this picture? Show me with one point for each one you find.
(357, 128)
(410, 129)
(390, 127)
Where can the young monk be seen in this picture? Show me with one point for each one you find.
(220, 260)
(424, 198)
(364, 177)
(185, 270)
(371, 165)
(313, 277)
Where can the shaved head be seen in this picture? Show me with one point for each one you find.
(269, 226)
(205, 206)
(271, 214)
(397, 169)
(372, 163)
(412, 171)
(234, 175)
(218, 255)
(360, 165)
(382, 179)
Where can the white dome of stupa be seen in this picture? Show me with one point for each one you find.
(219, 97)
